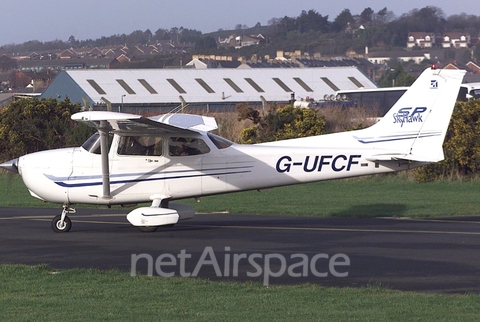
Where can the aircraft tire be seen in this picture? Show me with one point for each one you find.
(67, 224)
(148, 229)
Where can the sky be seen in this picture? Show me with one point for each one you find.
(91, 19)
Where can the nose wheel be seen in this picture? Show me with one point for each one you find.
(61, 223)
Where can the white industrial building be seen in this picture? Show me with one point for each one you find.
(206, 88)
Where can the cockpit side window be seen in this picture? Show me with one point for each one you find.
(179, 146)
(140, 145)
(92, 144)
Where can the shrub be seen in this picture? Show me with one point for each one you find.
(280, 123)
(31, 125)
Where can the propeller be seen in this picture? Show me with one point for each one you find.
(11, 165)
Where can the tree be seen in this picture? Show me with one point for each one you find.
(429, 19)
(6, 63)
(205, 44)
(367, 15)
(396, 77)
(465, 23)
(189, 35)
(342, 21)
(280, 124)
(161, 34)
(31, 125)
(463, 140)
(461, 146)
(72, 41)
(298, 122)
(311, 21)
(139, 37)
(465, 57)
(246, 112)
(476, 53)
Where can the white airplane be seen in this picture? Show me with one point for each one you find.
(133, 159)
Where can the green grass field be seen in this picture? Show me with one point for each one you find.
(390, 195)
(38, 293)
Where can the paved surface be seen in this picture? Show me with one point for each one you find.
(404, 254)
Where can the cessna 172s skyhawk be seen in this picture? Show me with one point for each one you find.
(133, 159)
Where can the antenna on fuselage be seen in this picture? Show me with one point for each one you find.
(109, 104)
(181, 107)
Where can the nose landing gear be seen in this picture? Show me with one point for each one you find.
(61, 223)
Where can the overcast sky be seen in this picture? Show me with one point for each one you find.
(91, 19)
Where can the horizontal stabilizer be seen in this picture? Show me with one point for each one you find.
(405, 157)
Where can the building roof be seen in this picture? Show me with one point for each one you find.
(163, 86)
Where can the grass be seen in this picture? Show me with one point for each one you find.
(389, 195)
(361, 197)
(38, 293)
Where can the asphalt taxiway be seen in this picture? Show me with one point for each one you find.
(432, 255)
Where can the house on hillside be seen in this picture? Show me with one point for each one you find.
(421, 39)
(63, 64)
(68, 54)
(30, 82)
(216, 62)
(381, 58)
(239, 41)
(455, 40)
(475, 68)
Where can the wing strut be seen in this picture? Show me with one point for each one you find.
(103, 130)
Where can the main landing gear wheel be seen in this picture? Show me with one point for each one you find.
(148, 229)
(60, 227)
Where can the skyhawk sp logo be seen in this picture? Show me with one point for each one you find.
(409, 115)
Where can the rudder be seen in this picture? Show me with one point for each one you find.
(415, 127)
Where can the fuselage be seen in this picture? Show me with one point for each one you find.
(157, 170)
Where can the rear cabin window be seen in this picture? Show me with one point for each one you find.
(219, 142)
(140, 145)
(180, 146)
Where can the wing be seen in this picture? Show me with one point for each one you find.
(122, 123)
(132, 123)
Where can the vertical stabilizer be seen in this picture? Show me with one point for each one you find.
(416, 125)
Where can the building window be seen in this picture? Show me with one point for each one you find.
(176, 86)
(233, 85)
(330, 83)
(254, 85)
(205, 85)
(96, 87)
(147, 86)
(356, 82)
(282, 85)
(126, 87)
(303, 84)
